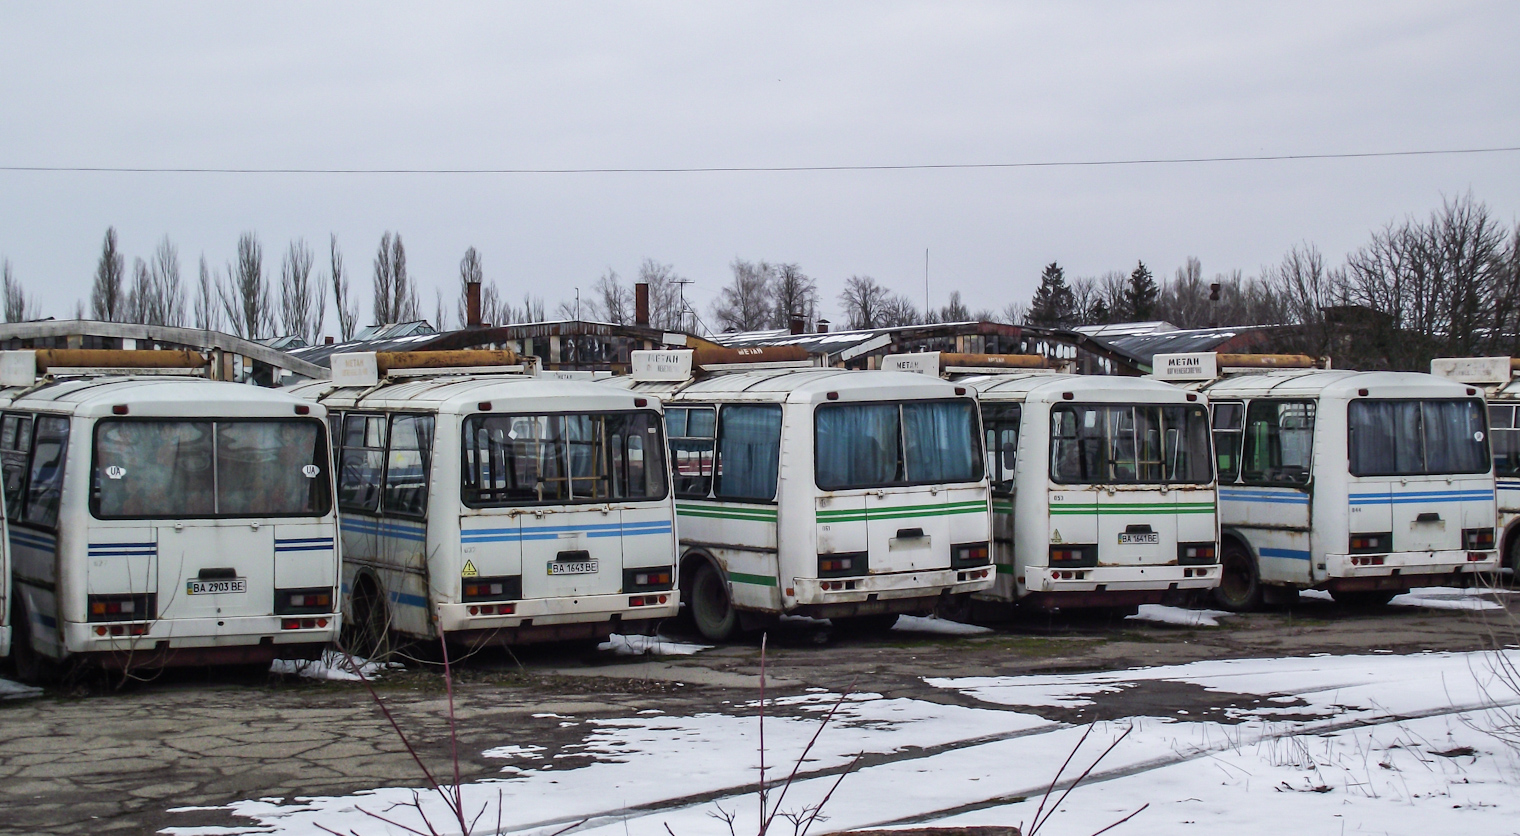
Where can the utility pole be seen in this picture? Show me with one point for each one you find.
(681, 305)
(926, 283)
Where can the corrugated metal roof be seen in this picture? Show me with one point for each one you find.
(1144, 347)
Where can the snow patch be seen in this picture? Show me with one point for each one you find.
(1178, 616)
(649, 646)
(939, 626)
(16, 691)
(333, 666)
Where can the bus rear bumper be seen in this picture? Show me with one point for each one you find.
(180, 642)
(1404, 570)
(555, 619)
(1113, 585)
(895, 592)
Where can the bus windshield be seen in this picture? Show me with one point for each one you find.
(877, 445)
(562, 458)
(1129, 444)
(1411, 437)
(209, 468)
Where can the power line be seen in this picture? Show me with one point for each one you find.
(1356, 155)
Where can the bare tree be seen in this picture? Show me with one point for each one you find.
(745, 304)
(395, 294)
(208, 315)
(1308, 290)
(107, 294)
(245, 295)
(897, 311)
(169, 303)
(1013, 313)
(471, 271)
(440, 316)
(796, 295)
(668, 308)
(612, 300)
(864, 302)
(303, 301)
(18, 306)
(141, 304)
(347, 307)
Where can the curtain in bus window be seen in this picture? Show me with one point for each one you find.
(1384, 437)
(749, 452)
(17, 441)
(638, 460)
(692, 446)
(406, 466)
(261, 469)
(856, 446)
(1279, 442)
(1504, 440)
(1454, 438)
(153, 469)
(939, 441)
(1186, 445)
(44, 486)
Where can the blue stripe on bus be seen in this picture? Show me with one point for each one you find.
(362, 526)
(123, 552)
(323, 548)
(1289, 554)
(1509, 486)
(1405, 498)
(409, 599)
(1261, 496)
(30, 542)
(296, 540)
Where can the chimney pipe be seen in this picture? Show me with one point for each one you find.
(641, 303)
(797, 324)
(823, 326)
(472, 304)
(327, 340)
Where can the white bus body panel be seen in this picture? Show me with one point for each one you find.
(1041, 514)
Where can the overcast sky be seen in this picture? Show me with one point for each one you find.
(568, 85)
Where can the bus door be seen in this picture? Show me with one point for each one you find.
(1078, 467)
(1000, 425)
(1271, 501)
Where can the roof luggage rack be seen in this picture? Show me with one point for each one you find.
(24, 367)
(368, 368)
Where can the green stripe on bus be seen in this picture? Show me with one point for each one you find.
(727, 513)
(896, 512)
(756, 580)
(1135, 508)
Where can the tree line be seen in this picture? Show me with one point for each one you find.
(1447, 284)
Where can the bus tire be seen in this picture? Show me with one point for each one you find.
(1368, 598)
(370, 633)
(1239, 587)
(1512, 561)
(711, 609)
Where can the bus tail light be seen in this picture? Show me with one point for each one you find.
(503, 588)
(647, 600)
(1380, 543)
(140, 607)
(968, 555)
(1196, 554)
(302, 623)
(648, 579)
(304, 601)
(494, 609)
(842, 564)
(1066, 556)
(1478, 539)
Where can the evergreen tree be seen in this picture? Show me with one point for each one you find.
(1140, 296)
(1053, 305)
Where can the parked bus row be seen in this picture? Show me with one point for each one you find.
(157, 518)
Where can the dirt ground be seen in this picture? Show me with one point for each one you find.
(99, 758)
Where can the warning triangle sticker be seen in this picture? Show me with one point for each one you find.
(469, 570)
(1055, 536)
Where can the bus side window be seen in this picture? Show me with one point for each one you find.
(361, 463)
(15, 443)
(1002, 428)
(692, 445)
(407, 465)
(749, 453)
(44, 486)
(1502, 434)
(1279, 443)
(1229, 423)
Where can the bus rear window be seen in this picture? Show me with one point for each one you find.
(1413, 437)
(562, 458)
(882, 445)
(1129, 444)
(151, 469)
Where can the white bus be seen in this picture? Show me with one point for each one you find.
(496, 506)
(849, 495)
(1365, 484)
(1496, 377)
(163, 520)
(1102, 490)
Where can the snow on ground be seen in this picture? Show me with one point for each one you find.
(930, 624)
(1449, 598)
(333, 665)
(1178, 616)
(649, 646)
(1323, 744)
(16, 691)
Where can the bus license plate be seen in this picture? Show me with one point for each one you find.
(1139, 539)
(219, 587)
(573, 567)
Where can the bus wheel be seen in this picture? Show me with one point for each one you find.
(710, 607)
(1364, 598)
(1512, 561)
(1239, 586)
(370, 632)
